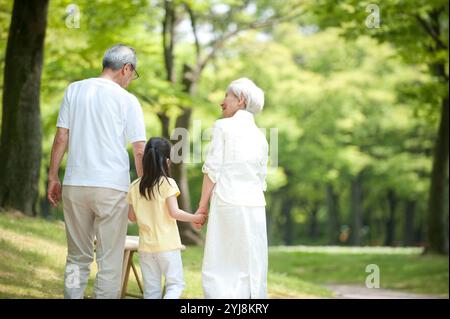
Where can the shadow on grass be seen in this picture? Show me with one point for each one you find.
(28, 274)
(38, 227)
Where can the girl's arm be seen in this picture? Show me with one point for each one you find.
(131, 214)
(179, 214)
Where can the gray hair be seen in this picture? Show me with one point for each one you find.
(118, 55)
(253, 95)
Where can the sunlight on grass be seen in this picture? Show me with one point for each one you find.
(349, 250)
(33, 252)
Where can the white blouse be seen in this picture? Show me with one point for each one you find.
(237, 160)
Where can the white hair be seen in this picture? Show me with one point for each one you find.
(118, 55)
(253, 95)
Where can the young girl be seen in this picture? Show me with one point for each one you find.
(153, 204)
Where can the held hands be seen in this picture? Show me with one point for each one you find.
(54, 191)
(203, 212)
(199, 219)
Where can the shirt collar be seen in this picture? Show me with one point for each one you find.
(107, 80)
(243, 114)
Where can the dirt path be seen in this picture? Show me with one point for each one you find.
(361, 292)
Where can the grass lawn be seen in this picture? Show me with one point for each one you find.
(400, 269)
(33, 251)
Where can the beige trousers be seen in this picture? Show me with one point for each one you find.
(101, 213)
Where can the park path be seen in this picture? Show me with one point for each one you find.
(361, 292)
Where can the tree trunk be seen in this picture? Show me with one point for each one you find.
(437, 242)
(189, 234)
(436, 202)
(165, 124)
(420, 233)
(446, 201)
(43, 202)
(273, 209)
(313, 223)
(333, 215)
(286, 210)
(390, 223)
(408, 230)
(356, 210)
(367, 220)
(21, 133)
(313, 227)
(168, 37)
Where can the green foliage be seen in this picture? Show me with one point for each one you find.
(344, 99)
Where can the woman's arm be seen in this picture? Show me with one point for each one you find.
(207, 188)
(179, 214)
(212, 166)
(131, 214)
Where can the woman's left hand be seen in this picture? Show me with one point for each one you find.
(201, 211)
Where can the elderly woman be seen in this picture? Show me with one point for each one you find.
(235, 257)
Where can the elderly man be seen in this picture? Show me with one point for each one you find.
(96, 118)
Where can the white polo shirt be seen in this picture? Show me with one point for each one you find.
(101, 117)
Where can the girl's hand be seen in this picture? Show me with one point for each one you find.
(197, 226)
(131, 214)
(199, 219)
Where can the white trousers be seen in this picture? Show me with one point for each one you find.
(235, 260)
(156, 265)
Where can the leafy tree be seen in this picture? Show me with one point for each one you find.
(20, 144)
(419, 31)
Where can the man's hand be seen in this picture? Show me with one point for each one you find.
(54, 191)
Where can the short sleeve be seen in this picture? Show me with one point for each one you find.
(169, 188)
(135, 126)
(214, 158)
(64, 112)
(129, 197)
(130, 194)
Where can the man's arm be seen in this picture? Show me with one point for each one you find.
(138, 150)
(58, 149)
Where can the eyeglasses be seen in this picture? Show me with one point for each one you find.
(136, 74)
